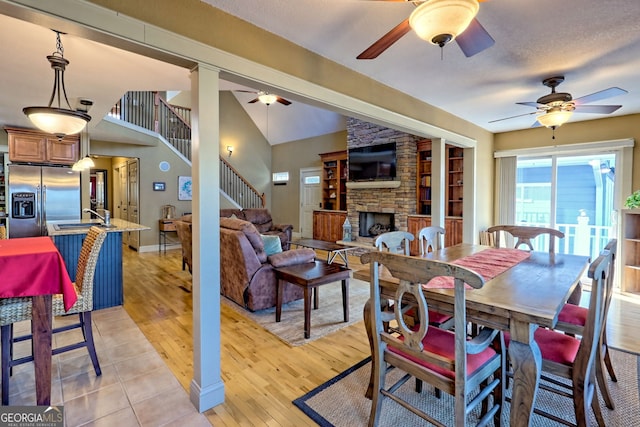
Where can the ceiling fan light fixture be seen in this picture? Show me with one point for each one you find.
(267, 98)
(58, 120)
(440, 21)
(554, 118)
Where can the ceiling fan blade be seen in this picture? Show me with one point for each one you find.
(245, 91)
(386, 41)
(597, 96)
(537, 124)
(474, 39)
(597, 109)
(252, 101)
(529, 104)
(513, 117)
(283, 101)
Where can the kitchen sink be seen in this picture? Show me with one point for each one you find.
(79, 226)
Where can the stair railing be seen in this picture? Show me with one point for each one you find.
(150, 111)
(238, 188)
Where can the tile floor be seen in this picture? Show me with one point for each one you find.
(136, 388)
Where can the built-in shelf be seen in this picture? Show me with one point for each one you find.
(373, 184)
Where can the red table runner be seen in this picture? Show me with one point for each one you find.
(488, 263)
(33, 266)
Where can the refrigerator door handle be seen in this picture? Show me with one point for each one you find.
(43, 218)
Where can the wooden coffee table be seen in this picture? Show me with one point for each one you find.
(309, 276)
(333, 249)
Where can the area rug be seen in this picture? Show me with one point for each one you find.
(340, 402)
(326, 319)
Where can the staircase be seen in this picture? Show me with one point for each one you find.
(173, 123)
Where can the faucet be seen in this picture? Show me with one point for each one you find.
(106, 218)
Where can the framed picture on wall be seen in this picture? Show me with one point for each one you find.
(184, 188)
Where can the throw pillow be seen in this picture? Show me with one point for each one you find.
(271, 244)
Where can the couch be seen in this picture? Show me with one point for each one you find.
(247, 274)
(261, 219)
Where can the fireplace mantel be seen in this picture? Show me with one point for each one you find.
(373, 184)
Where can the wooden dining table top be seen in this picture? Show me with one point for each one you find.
(534, 289)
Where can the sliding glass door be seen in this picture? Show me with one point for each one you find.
(574, 194)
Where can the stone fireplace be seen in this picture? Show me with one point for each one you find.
(372, 224)
(395, 202)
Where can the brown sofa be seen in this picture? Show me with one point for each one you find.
(247, 275)
(261, 219)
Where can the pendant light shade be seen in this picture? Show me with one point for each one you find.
(267, 98)
(554, 118)
(440, 21)
(58, 120)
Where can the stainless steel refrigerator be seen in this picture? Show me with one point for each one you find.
(38, 194)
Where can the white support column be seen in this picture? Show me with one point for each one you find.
(438, 181)
(469, 195)
(207, 388)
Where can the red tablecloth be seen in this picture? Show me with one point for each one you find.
(33, 266)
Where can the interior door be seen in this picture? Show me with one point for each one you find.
(132, 205)
(310, 199)
(120, 196)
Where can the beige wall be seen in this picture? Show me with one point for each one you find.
(252, 153)
(291, 157)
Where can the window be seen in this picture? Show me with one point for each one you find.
(280, 177)
(573, 194)
(308, 180)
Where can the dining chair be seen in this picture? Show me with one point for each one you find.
(399, 242)
(572, 320)
(430, 238)
(574, 359)
(394, 242)
(14, 310)
(183, 230)
(524, 233)
(3, 232)
(445, 359)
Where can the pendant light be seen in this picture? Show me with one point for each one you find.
(58, 120)
(85, 162)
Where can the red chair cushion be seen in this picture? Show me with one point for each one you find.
(442, 343)
(573, 314)
(435, 318)
(554, 346)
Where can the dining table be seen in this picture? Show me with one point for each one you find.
(33, 267)
(523, 291)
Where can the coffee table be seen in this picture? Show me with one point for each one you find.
(309, 276)
(333, 249)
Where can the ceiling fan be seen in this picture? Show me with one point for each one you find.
(556, 108)
(438, 22)
(265, 97)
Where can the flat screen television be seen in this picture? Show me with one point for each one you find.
(373, 163)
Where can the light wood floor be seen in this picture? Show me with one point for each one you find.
(262, 375)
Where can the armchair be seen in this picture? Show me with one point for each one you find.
(247, 274)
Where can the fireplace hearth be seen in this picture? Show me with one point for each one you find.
(373, 224)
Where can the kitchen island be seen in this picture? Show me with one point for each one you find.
(108, 280)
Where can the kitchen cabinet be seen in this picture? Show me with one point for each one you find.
(334, 179)
(327, 225)
(452, 227)
(30, 146)
(630, 251)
